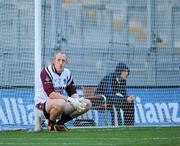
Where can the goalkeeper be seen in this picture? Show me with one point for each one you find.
(50, 100)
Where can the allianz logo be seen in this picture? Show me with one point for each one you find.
(156, 112)
(15, 111)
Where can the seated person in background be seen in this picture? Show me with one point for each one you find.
(113, 86)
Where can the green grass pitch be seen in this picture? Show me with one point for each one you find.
(125, 136)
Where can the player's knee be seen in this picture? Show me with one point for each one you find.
(59, 106)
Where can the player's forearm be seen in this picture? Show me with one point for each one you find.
(55, 95)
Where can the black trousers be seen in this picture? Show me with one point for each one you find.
(128, 112)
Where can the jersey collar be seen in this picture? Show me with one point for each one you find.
(54, 70)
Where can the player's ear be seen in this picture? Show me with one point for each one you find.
(66, 59)
(53, 60)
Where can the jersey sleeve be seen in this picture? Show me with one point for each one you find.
(46, 82)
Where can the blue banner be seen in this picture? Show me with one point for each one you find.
(16, 108)
(153, 106)
(157, 106)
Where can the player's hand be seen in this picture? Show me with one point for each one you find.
(76, 104)
(81, 99)
(130, 99)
